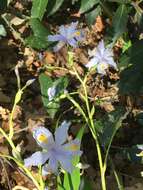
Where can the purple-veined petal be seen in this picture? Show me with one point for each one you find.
(59, 46)
(93, 62)
(38, 158)
(61, 132)
(54, 38)
(46, 188)
(72, 42)
(101, 68)
(43, 137)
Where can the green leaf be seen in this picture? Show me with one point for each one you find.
(36, 42)
(38, 8)
(2, 30)
(38, 29)
(39, 38)
(131, 78)
(120, 21)
(87, 5)
(53, 6)
(120, 1)
(45, 83)
(85, 184)
(59, 184)
(3, 5)
(111, 122)
(92, 15)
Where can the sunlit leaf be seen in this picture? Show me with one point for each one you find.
(38, 8)
(92, 15)
(87, 5)
(39, 38)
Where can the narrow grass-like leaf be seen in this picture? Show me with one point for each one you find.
(53, 6)
(72, 182)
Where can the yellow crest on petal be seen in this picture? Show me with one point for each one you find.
(77, 33)
(74, 147)
(42, 138)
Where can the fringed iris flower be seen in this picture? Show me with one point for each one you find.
(67, 35)
(102, 58)
(55, 150)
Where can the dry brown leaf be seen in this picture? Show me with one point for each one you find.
(4, 113)
(22, 180)
(99, 25)
(48, 58)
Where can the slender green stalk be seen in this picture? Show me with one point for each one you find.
(42, 184)
(9, 141)
(90, 123)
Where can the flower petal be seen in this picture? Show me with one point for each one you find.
(59, 46)
(93, 62)
(66, 164)
(72, 42)
(52, 166)
(54, 38)
(73, 147)
(61, 132)
(79, 35)
(38, 158)
(43, 137)
(51, 92)
(63, 30)
(101, 47)
(101, 68)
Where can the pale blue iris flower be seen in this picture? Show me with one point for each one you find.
(55, 150)
(67, 35)
(101, 58)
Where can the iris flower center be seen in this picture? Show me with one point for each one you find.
(42, 138)
(74, 147)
